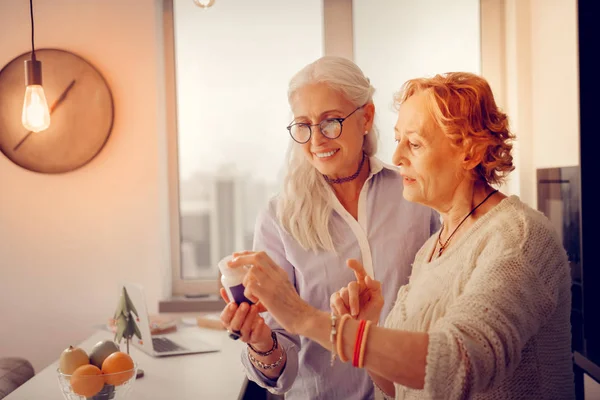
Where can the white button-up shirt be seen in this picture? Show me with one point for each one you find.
(387, 235)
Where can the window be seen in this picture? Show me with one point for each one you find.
(423, 42)
(233, 63)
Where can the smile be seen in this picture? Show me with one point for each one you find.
(326, 154)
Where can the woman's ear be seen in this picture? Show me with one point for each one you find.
(369, 116)
(472, 158)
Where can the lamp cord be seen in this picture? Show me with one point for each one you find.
(32, 30)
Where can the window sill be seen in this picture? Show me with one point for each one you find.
(182, 304)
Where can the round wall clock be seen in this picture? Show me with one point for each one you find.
(81, 113)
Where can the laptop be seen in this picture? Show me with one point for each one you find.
(171, 344)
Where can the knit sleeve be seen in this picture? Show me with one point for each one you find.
(511, 292)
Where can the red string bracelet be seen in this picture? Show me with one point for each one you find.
(358, 342)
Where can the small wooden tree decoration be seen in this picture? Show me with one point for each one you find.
(124, 320)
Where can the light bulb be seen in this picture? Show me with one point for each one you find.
(204, 3)
(36, 115)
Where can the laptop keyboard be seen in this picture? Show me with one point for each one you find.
(163, 345)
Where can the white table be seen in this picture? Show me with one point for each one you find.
(192, 376)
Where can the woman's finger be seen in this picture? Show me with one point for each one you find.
(253, 291)
(259, 273)
(345, 298)
(246, 282)
(242, 259)
(372, 284)
(332, 303)
(228, 313)
(353, 298)
(238, 319)
(224, 296)
(259, 306)
(357, 267)
(339, 305)
(254, 258)
(253, 329)
(258, 331)
(249, 321)
(241, 253)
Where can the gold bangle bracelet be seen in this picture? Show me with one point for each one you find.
(339, 344)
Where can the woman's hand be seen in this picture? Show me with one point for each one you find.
(246, 319)
(362, 299)
(268, 283)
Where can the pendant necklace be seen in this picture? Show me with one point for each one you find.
(445, 244)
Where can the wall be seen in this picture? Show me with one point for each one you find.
(530, 57)
(493, 63)
(338, 39)
(555, 83)
(542, 90)
(66, 241)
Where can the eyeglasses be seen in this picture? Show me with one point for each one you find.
(331, 128)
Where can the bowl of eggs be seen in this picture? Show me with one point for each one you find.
(107, 373)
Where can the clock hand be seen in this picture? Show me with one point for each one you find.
(53, 107)
(62, 96)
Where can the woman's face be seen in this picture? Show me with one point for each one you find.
(339, 157)
(432, 167)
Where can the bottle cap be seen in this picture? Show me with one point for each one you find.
(231, 272)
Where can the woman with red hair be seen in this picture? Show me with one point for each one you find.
(485, 314)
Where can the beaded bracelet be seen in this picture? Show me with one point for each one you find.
(262, 365)
(332, 337)
(267, 353)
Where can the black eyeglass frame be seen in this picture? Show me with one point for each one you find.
(339, 120)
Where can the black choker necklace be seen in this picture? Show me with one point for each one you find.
(347, 178)
(445, 244)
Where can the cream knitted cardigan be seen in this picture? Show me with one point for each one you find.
(496, 306)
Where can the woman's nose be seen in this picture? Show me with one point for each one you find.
(397, 157)
(316, 137)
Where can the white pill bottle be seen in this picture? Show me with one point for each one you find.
(232, 280)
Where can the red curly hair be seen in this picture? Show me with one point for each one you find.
(463, 106)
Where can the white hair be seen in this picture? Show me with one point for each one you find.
(303, 206)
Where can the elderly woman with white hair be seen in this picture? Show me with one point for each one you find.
(338, 202)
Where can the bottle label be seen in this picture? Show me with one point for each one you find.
(237, 293)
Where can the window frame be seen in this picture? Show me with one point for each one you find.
(179, 285)
(337, 40)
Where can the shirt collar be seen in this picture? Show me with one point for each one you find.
(377, 166)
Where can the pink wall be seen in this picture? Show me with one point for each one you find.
(67, 241)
